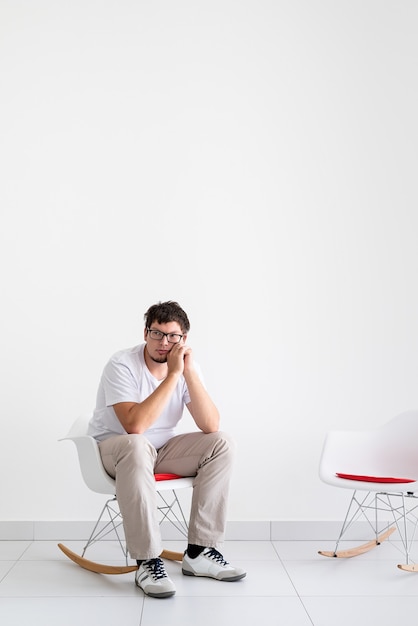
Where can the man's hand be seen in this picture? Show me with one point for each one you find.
(188, 360)
(179, 359)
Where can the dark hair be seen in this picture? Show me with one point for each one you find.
(164, 312)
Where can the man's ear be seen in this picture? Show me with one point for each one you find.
(184, 338)
(145, 334)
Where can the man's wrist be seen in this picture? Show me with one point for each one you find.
(173, 375)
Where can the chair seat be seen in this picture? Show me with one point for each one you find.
(375, 479)
(93, 472)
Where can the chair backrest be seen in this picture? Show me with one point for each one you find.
(91, 466)
(390, 451)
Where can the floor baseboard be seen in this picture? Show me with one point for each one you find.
(236, 530)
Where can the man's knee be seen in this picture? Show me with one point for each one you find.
(223, 442)
(135, 449)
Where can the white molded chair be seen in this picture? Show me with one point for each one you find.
(381, 467)
(97, 479)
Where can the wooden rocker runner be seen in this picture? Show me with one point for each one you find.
(365, 547)
(100, 568)
(408, 567)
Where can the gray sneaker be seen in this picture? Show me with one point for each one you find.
(152, 578)
(211, 563)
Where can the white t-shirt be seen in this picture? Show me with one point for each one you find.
(126, 378)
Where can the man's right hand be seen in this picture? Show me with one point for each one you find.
(175, 358)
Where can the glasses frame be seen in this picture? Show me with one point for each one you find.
(155, 330)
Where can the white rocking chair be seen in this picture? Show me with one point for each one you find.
(110, 519)
(381, 466)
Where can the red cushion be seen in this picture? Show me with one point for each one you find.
(166, 476)
(375, 479)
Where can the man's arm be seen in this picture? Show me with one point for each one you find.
(201, 405)
(137, 417)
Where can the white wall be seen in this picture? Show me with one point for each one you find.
(255, 160)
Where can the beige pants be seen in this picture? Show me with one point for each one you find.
(132, 461)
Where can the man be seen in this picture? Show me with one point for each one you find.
(141, 398)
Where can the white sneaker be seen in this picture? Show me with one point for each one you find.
(212, 564)
(152, 578)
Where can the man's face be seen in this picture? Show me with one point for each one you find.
(159, 346)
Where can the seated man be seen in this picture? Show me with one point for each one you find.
(141, 397)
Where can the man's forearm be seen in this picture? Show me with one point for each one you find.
(137, 417)
(202, 407)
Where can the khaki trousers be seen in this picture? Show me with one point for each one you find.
(132, 461)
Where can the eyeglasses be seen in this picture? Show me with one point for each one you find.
(158, 335)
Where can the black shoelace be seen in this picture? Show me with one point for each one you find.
(156, 568)
(212, 553)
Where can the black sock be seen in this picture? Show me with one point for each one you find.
(193, 550)
(139, 561)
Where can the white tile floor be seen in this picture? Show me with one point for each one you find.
(287, 583)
